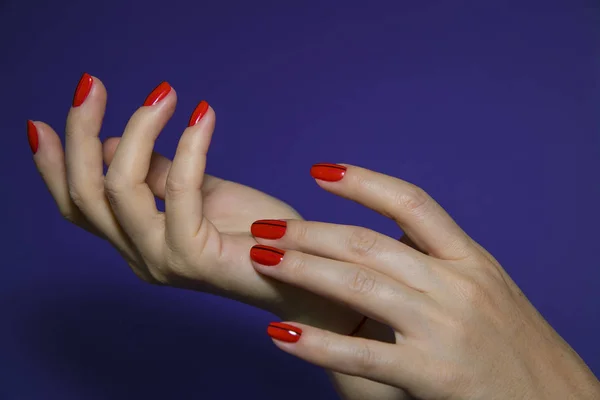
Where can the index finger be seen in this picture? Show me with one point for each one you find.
(421, 217)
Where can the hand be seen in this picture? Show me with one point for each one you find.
(463, 329)
(202, 240)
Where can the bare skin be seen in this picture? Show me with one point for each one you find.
(463, 329)
(201, 241)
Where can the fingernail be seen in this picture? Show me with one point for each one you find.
(284, 332)
(198, 113)
(268, 229)
(266, 255)
(84, 87)
(159, 93)
(328, 172)
(32, 136)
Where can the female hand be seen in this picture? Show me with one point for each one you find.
(463, 329)
(201, 241)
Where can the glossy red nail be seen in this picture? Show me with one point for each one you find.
(284, 332)
(32, 136)
(84, 87)
(159, 93)
(266, 255)
(198, 113)
(328, 172)
(268, 229)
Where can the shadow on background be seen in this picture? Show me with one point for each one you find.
(108, 346)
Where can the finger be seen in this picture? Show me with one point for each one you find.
(83, 160)
(157, 173)
(183, 200)
(425, 221)
(394, 364)
(49, 159)
(365, 290)
(132, 200)
(350, 244)
(159, 170)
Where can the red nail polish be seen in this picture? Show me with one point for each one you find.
(266, 255)
(198, 113)
(159, 93)
(268, 229)
(284, 332)
(32, 136)
(328, 172)
(84, 87)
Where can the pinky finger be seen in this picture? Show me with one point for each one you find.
(49, 159)
(393, 364)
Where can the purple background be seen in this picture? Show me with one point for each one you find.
(490, 106)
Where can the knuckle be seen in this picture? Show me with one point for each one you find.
(366, 359)
(300, 231)
(175, 187)
(76, 195)
(115, 185)
(413, 198)
(143, 273)
(362, 242)
(297, 266)
(69, 214)
(159, 276)
(470, 290)
(450, 378)
(83, 193)
(362, 282)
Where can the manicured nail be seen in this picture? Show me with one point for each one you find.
(32, 136)
(284, 332)
(268, 229)
(159, 93)
(84, 87)
(328, 172)
(266, 255)
(198, 113)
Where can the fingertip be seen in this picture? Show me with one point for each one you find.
(199, 113)
(328, 172)
(284, 332)
(89, 86)
(268, 229)
(32, 136)
(41, 137)
(164, 93)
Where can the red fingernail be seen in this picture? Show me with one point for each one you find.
(268, 229)
(84, 87)
(284, 332)
(266, 255)
(198, 113)
(159, 93)
(32, 136)
(328, 172)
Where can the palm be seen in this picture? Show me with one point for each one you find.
(229, 209)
